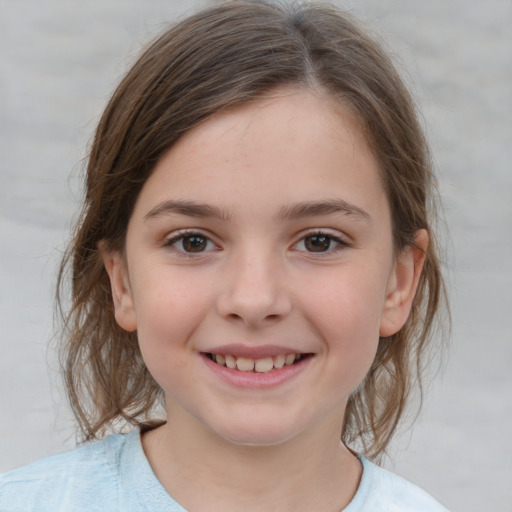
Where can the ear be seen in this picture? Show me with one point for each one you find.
(117, 271)
(403, 284)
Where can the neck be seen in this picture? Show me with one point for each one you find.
(313, 471)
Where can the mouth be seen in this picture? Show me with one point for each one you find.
(262, 365)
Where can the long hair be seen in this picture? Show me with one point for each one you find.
(222, 57)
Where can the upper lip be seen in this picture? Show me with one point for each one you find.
(251, 351)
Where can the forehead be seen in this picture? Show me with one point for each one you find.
(293, 145)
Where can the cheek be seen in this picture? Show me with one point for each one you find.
(167, 317)
(350, 300)
(346, 311)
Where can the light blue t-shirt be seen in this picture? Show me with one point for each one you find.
(114, 475)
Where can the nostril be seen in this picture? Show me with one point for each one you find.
(236, 316)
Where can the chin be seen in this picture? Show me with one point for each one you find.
(257, 434)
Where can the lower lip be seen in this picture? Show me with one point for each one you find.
(257, 380)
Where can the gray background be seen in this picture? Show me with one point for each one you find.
(59, 62)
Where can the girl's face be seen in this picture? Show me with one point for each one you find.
(262, 241)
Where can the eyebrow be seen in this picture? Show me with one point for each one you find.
(189, 208)
(326, 207)
(294, 211)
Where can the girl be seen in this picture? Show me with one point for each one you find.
(254, 275)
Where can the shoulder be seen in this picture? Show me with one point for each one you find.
(382, 490)
(89, 470)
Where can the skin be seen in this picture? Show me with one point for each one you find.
(258, 279)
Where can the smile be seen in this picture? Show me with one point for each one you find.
(263, 365)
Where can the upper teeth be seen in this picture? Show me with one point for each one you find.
(263, 365)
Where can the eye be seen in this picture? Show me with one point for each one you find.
(191, 243)
(320, 243)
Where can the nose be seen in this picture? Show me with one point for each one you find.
(254, 289)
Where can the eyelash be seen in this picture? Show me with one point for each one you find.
(188, 234)
(340, 242)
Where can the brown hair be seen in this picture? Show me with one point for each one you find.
(221, 57)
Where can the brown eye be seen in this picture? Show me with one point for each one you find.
(321, 243)
(318, 243)
(194, 243)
